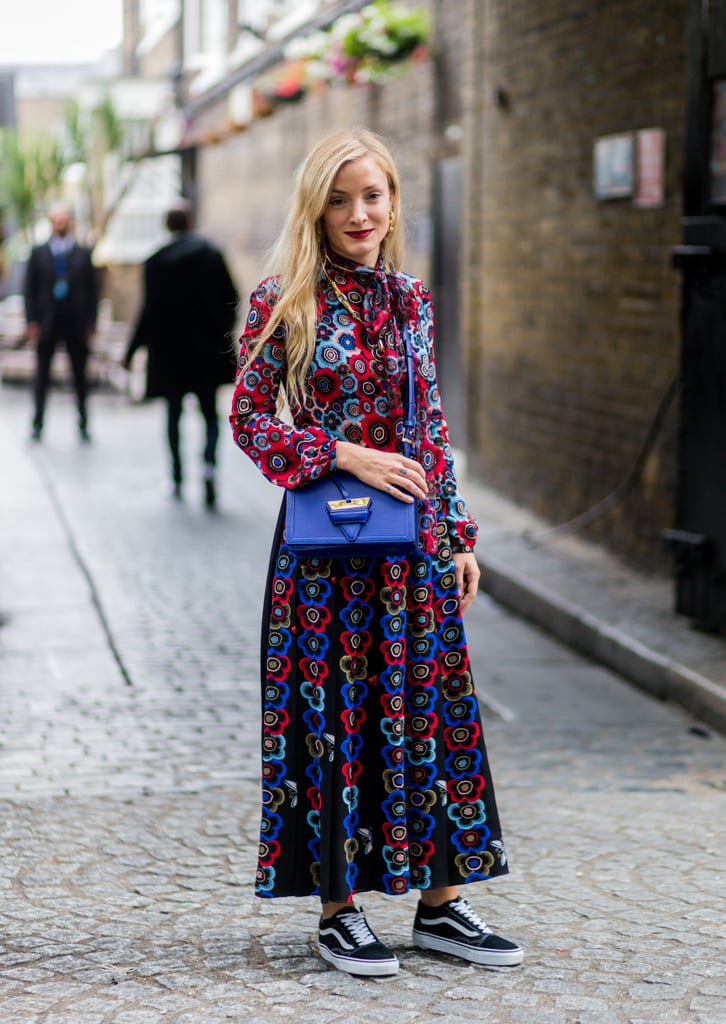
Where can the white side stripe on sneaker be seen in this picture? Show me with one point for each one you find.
(341, 939)
(358, 928)
(470, 933)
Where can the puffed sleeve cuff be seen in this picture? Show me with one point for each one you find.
(463, 535)
(316, 457)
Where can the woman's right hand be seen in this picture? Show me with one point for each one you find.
(387, 471)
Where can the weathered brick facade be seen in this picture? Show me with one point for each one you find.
(577, 334)
(569, 328)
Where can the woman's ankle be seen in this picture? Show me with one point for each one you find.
(437, 897)
(330, 909)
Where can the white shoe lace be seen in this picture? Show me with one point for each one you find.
(358, 928)
(463, 907)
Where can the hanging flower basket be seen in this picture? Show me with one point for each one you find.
(371, 45)
(286, 84)
(382, 33)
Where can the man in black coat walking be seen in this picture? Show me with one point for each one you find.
(188, 314)
(61, 304)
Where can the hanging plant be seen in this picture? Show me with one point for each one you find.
(383, 32)
(371, 45)
(287, 83)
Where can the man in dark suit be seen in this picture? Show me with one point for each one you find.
(61, 304)
(186, 321)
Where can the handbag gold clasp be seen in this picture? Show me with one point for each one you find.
(343, 503)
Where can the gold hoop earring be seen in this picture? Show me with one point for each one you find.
(391, 221)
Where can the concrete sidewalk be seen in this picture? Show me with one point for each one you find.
(599, 606)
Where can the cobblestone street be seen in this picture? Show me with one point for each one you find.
(129, 779)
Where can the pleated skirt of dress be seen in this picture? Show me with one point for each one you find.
(375, 774)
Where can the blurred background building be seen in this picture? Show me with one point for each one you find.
(564, 177)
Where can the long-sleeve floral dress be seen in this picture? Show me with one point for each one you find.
(374, 771)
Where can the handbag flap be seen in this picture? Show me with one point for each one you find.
(319, 520)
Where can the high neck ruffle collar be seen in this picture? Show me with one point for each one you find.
(377, 295)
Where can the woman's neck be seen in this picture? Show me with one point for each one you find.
(334, 258)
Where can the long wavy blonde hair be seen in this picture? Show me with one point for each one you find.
(296, 257)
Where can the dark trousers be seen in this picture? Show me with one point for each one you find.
(77, 348)
(207, 397)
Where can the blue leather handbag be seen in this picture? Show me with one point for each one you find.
(338, 516)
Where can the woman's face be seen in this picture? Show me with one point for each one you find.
(356, 218)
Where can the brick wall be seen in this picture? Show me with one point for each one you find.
(575, 335)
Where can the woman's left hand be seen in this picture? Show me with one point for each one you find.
(467, 577)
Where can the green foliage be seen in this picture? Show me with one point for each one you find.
(74, 133)
(386, 31)
(30, 173)
(31, 170)
(101, 131)
(111, 125)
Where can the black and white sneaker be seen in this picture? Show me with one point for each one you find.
(346, 942)
(456, 929)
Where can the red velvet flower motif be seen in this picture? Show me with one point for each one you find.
(351, 772)
(393, 651)
(313, 671)
(395, 834)
(461, 790)
(275, 721)
(278, 667)
(462, 737)
(422, 726)
(355, 643)
(313, 617)
(313, 797)
(269, 852)
(425, 674)
(421, 851)
(392, 704)
(353, 719)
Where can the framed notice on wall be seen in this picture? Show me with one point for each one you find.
(718, 145)
(613, 169)
(650, 163)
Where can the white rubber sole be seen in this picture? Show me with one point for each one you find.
(368, 968)
(484, 957)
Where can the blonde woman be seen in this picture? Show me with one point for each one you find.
(375, 773)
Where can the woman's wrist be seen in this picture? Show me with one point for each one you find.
(341, 453)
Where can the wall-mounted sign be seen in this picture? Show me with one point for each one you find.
(650, 167)
(613, 166)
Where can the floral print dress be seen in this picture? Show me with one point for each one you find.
(374, 770)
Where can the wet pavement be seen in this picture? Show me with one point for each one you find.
(129, 779)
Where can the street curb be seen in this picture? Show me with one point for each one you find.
(660, 676)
